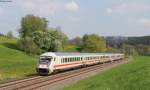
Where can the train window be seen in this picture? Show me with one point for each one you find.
(70, 59)
(73, 59)
(65, 60)
(61, 60)
(54, 59)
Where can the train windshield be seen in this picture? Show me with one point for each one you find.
(45, 60)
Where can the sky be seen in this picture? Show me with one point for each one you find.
(79, 17)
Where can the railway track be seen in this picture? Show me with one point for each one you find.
(41, 81)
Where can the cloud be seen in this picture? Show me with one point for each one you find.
(40, 7)
(144, 22)
(1, 11)
(72, 6)
(128, 8)
(74, 18)
(46, 7)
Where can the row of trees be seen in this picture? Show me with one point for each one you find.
(36, 38)
(89, 43)
(130, 45)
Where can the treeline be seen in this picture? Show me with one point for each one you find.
(145, 40)
(36, 37)
(8, 35)
(140, 45)
(91, 43)
(130, 45)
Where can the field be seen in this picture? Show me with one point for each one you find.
(14, 63)
(132, 76)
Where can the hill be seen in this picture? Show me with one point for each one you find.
(132, 76)
(14, 63)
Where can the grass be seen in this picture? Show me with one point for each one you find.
(132, 76)
(14, 63)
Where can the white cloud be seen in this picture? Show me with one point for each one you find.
(40, 7)
(72, 6)
(74, 18)
(144, 22)
(128, 8)
(109, 10)
(46, 7)
(1, 11)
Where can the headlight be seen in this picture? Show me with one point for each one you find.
(43, 66)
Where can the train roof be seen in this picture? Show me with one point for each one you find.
(74, 54)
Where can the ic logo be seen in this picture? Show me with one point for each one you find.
(5, 1)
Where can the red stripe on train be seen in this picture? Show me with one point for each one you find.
(60, 65)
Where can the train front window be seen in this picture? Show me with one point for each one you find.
(45, 60)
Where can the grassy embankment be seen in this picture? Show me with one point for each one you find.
(132, 76)
(14, 63)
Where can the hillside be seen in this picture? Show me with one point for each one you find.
(14, 63)
(132, 76)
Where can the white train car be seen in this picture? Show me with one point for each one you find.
(52, 61)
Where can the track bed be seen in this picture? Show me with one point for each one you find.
(59, 80)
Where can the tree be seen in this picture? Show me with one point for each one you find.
(30, 24)
(9, 34)
(27, 45)
(93, 43)
(50, 40)
(76, 41)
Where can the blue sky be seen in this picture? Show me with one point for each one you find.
(77, 17)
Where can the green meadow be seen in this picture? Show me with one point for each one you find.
(132, 76)
(14, 63)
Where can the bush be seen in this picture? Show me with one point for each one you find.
(27, 45)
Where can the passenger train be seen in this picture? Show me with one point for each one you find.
(53, 61)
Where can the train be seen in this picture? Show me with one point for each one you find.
(51, 62)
